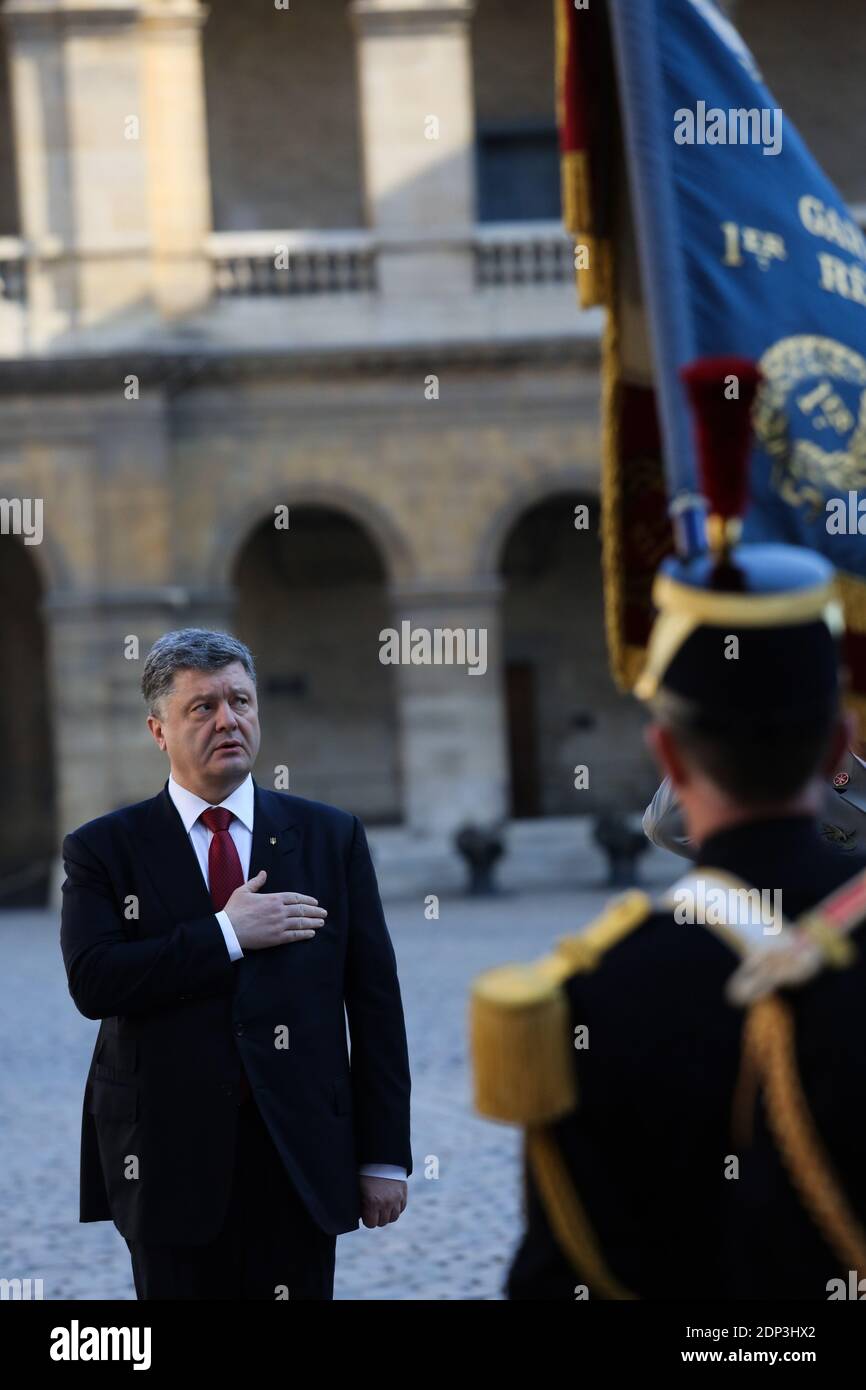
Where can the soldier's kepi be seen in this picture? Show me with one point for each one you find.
(716, 662)
(746, 639)
(635, 1055)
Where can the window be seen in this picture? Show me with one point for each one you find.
(518, 172)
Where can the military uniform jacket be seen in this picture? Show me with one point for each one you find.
(796, 1219)
(648, 1144)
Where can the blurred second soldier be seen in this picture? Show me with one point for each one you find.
(842, 817)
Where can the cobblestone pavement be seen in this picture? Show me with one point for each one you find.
(455, 1238)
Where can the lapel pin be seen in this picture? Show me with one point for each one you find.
(841, 779)
(274, 838)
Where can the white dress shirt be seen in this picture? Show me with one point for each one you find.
(241, 803)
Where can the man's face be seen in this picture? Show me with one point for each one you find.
(209, 726)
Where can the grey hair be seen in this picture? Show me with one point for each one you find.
(190, 648)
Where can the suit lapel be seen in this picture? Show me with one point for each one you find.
(173, 867)
(171, 861)
(276, 840)
(276, 848)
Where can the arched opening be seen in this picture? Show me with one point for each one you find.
(27, 787)
(311, 604)
(563, 710)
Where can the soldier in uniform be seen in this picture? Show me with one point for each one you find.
(632, 1054)
(842, 816)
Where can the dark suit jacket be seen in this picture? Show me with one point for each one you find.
(647, 1145)
(145, 954)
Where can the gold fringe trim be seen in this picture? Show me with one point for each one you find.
(524, 1072)
(594, 278)
(568, 1219)
(578, 213)
(852, 592)
(769, 1039)
(625, 662)
(562, 38)
(592, 254)
(576, 193)
(520, 1023)
(520, 1031)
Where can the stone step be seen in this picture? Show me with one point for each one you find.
(554, 852)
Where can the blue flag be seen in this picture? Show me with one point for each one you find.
(747, 248)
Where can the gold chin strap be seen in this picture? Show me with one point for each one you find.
(682, 609)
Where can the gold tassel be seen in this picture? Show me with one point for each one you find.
(576, 195)
(622, 665)
(520, 1031)
(769, 1039)
(520, 1021)
(568, 1219)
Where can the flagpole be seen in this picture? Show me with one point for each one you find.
(648, 138)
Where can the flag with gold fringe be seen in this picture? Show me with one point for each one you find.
(704, 227)
(636, 532)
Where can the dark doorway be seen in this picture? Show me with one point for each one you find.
(27, 786)
(522, 739)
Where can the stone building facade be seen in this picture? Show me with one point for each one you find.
(257, 257)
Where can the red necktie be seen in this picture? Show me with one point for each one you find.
(225, 874)
(224, 865)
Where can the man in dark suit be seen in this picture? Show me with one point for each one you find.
(223, 933)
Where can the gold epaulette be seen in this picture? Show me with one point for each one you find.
(520, 1027)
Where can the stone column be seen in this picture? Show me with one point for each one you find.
(177, 156)
(75, 75)
(452, 723)
(111, 154)
(418, 140)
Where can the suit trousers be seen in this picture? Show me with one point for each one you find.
(269, 1247)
